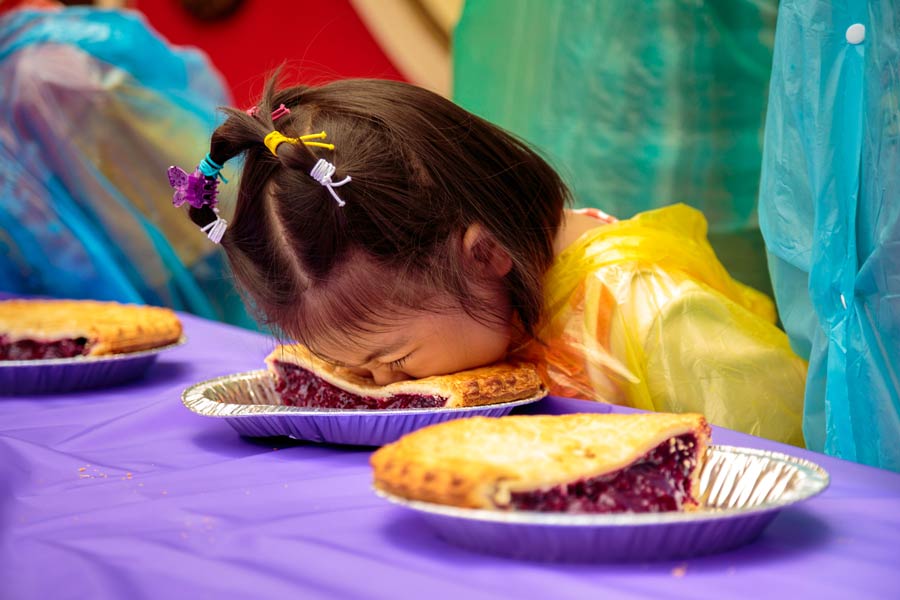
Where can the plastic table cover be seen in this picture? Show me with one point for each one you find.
(124, 493)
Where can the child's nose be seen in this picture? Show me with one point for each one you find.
(359, 371)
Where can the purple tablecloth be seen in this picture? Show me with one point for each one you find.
(124, 493)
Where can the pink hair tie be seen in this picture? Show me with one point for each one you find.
(280, 112)
(276, 114)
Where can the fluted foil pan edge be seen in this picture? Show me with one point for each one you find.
(249, 403)
(60, 375)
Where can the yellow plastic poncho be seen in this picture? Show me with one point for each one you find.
(641, 313)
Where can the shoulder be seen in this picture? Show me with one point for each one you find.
(576, 223)
(594, 213)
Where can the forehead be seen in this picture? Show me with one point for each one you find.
(423, 329)
(361, 347)
(363, 309)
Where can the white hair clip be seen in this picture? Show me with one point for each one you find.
(322, 172)
(215, 230)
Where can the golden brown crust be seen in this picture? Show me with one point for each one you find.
(478, 462)
(109, 327)
(502, 382)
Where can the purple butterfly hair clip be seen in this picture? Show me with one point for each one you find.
(194, 188)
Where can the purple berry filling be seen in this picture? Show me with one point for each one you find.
(299, 387)
(37, 349)
(659, 481)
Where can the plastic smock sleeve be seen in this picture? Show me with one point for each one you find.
(641, 313)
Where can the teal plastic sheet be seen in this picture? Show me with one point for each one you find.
(94, 107)
(830, 215)
(639, 104)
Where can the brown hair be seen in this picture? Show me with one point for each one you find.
(423, 170)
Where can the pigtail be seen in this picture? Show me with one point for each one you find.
(239, 133)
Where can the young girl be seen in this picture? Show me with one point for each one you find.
(396, 234)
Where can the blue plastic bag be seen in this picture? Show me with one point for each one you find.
(830, 215)
(94, 107)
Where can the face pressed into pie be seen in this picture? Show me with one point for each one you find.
(302, 379)
(41, 329)
(578, 463)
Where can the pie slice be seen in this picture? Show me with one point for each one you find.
(577, 463)
(302, 379)
(40, 329)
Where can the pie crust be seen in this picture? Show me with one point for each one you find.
(86, 327)
(486, 385)
(508, 462)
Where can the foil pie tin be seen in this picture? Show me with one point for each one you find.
(249, 403)
(57, 375)
(742, 491)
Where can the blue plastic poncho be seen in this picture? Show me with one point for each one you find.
(94, 107)
(830, 214)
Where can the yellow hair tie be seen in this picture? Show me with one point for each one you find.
(276, 138)
(319, 145)
(314, 136)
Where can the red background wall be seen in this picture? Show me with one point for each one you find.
(321, 40)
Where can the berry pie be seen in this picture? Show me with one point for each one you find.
(42, 329)
(302, 379)
(577, 463)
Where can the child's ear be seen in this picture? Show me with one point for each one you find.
(484, 253)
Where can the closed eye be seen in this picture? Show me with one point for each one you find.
(400, 362)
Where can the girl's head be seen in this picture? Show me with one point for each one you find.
(446, 229)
